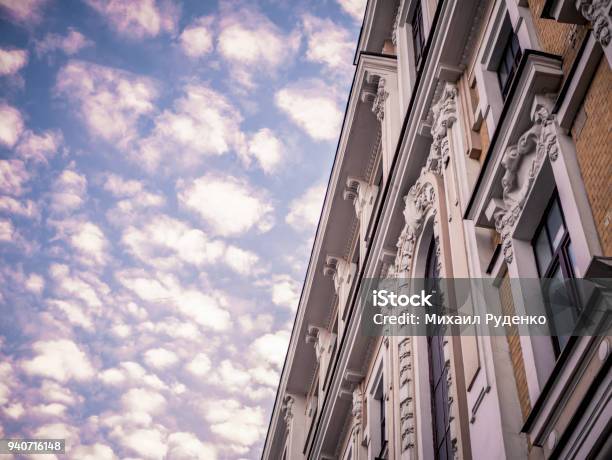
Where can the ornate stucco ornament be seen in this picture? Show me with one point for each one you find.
(396, 24)
(378, 105)
(417, 202)
(598, 13)
(288, 409)
(536, 143)
(407, 425)
(357, 410)
(445, 114)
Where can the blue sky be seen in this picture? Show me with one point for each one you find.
(162, 168)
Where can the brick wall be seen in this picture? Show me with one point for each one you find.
(557, 38)
(591, 130)
(592, 133)
(514, 345)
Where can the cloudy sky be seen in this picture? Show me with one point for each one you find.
(162, 168)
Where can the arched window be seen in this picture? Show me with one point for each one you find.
(437, 369)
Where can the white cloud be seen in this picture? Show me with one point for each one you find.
(82, 286)
(186, 446)
(243, 425)
(143, 400)
(240, 260)
(138, 18)
(55, 392)
(230, 206)
(252, 44)
(24, 11)
(355, 8)
(109, 100)
(266, 149)
(271, 348)
(146, 442)
(26, 208)
(312, 106)
(13, 177)
(7, 380)
(285, 292)
(120, 187)
(68, 192)
(230, 377)
(73, 312)
(61, 360)
(328, 43)
(39, 147)
(197, 39)
(160, 358)
(70, 44)
(130, 374)
(208, 310)
(199, 366)
(35, 283)
(202, 123)
(134, 200)
(95, 451)
(165, 243)
(11, 125)
(89, 241)
(7, 230)
(12, 61)
(304, 211)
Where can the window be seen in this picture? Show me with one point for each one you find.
(552, 248)
(437, 368)
(418, 36)
(511, 56)
(383, 427)
(379, 444)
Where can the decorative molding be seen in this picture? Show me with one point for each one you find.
(418, 202)
(405, 361)
(598, 13)
(444, 115)
(407, 420)
(420, 198)
(351, 191)
(313, 335)
(331, 265)
(538, 142)
(396, 24)
(287, 408)
(452, 419)
(357, 411)
(407, 427)
(378, 104)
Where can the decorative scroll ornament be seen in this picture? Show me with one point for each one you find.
(357, 410)
(288, 402)
(418, 202)
(445, 114)
(452, 420)
(378, 105)
(598, 13)
(313, 335)
(407, 426)
(396, 24)
(538, 142)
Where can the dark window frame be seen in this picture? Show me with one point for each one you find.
(437, 370)
(418, 34)
(560, 258)
(508, 63)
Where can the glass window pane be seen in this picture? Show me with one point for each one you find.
(542, 252)
(554, 222)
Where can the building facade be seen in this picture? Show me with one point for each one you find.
(476, 144)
